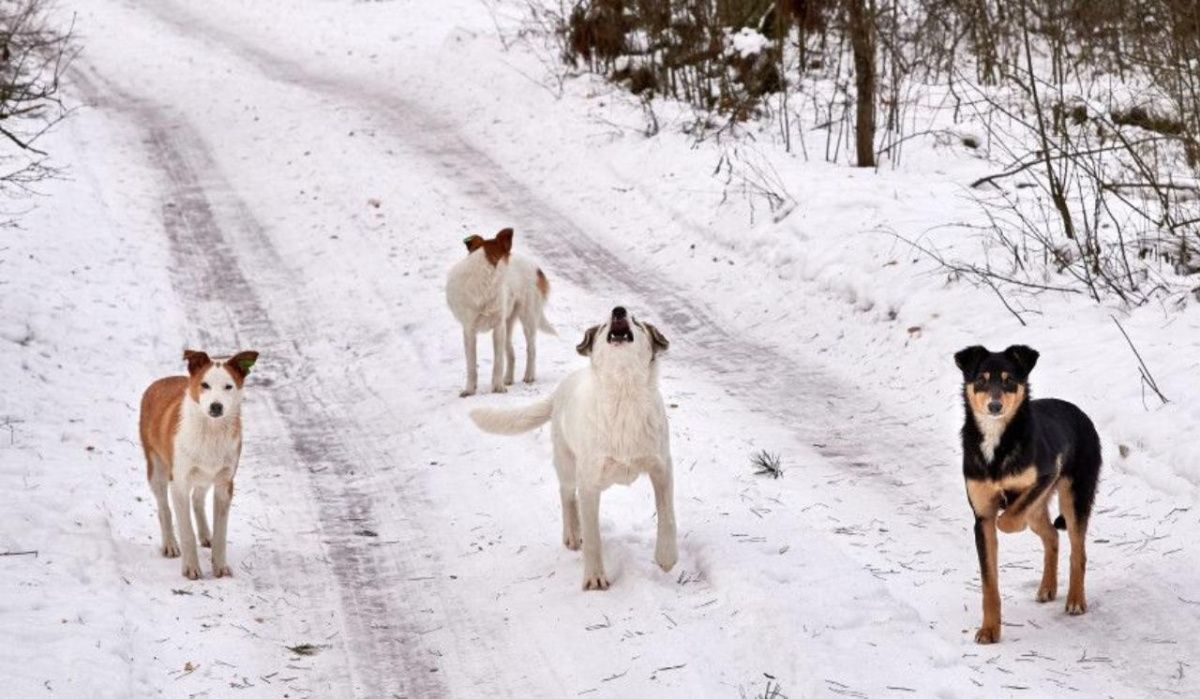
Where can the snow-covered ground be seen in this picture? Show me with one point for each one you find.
(224, 176)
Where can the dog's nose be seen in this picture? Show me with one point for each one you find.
(619, 313)
(216, 409)
(995, 407)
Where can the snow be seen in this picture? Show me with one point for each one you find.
(746, 42)
(219, 196)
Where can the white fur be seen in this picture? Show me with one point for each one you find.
(992, 428)
(486, 298)
(206, 452)
(609, 426)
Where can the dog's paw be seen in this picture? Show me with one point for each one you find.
(987, 635)
(508, 380)
(1046, 594)
(191, 571)
(169, 549)
(572, 541)
(466, 392)
(666, 557)
(499, 388)
(220, 570)
(1010, 525)
(595, 581)
(1075, 607)
(528, 379)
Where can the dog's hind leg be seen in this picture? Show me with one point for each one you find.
(593, 557)
(564, 464)
(199, 493)
(666, 552)
(1069, 499)
(1039, 522)
(499, 343)
(510, 354)
(469, 349)
(529, 324)
(158, 485)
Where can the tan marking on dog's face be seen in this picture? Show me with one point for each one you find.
(981, 392)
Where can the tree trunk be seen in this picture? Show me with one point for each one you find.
(862, 41)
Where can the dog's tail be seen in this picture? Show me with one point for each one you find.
(513, 421)
(543, 287)
(1060, 522)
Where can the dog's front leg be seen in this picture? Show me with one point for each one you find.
(183, 522)
(499, 341)
(986, 545)
(222, 497)
(593, 559)
(198, 495)
(666, 552)
(469, 342)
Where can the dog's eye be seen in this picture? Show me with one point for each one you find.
(228, 387)
(1010, 385)
(204, 385)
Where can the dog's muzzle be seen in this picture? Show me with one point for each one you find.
(618, 329)
(216, 410)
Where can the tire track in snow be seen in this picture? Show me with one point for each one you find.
(211, 234)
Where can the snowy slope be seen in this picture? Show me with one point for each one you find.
(221, 178)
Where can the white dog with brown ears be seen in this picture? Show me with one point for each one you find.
(609, 426)
(488, 292)
(191, 429)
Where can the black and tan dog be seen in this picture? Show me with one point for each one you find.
(1016, 452)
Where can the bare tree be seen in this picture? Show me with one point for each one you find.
(34, 54)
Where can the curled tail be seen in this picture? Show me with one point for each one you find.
(1060, 522)
(513, 421)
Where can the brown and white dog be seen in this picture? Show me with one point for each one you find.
(191, 429)
(490, 290)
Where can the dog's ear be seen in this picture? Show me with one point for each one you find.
(196, 361)
(968, 360)
(473, 243)
(589, 338)
(241, 362)
(1024, 357)
(658, 341)
(504, 238)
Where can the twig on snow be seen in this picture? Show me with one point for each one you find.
(768, 464)
(1147, 379)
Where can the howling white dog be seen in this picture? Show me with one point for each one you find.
(609, 426)
(489, 291)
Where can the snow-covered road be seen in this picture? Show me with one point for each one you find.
(267, 199)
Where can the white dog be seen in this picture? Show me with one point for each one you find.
(609, 426)
(489, 291)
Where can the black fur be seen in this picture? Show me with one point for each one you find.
(1039, 432)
